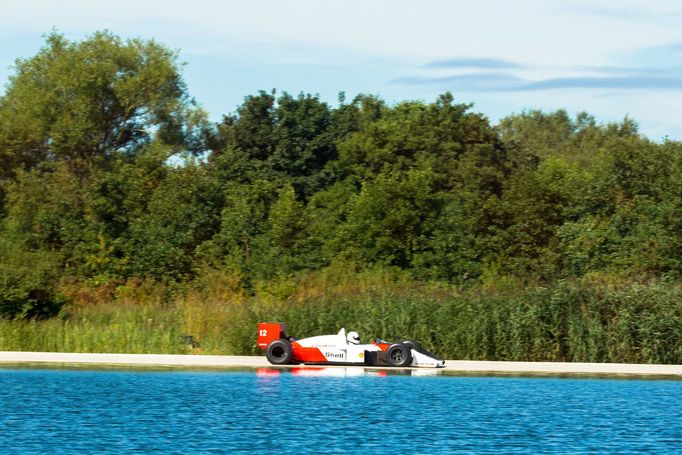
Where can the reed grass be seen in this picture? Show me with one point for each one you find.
(106, 327)
(575, 322)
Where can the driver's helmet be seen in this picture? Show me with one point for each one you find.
(353, 338)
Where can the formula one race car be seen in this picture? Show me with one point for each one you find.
(340, 349)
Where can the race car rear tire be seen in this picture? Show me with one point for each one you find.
(399, 355)
(279, 352)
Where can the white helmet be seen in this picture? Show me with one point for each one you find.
(353, 338)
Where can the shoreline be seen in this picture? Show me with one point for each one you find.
(451, 366)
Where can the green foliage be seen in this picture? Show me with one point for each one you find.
(182, 213)
(286, 138)
(569, 321)
(86, 100)
(102, 182)
(28, 282)
(522, 223)
(386, 219)
(137, 329)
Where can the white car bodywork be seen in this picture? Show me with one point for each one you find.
(337, 349)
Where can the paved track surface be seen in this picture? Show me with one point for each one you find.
(463, 366)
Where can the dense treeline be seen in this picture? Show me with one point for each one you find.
(110, 174)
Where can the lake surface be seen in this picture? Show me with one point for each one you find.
(85, 411)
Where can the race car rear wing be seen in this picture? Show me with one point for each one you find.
(269, 332)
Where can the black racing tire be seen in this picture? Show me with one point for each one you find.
(279, 352)
(412, 344)
(399, 355)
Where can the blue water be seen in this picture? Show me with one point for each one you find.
(77, 411)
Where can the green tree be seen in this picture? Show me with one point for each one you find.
(28, 282)
(623, 218)
(243, 220)
(281, 249)
(80, 101)
(286, 138)
(520, 234)
(386, 219)
(183, 212)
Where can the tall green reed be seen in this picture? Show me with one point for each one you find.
(567, 321)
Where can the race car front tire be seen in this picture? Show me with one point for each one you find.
(399, 355)
(279, 352)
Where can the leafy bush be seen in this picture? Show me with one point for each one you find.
(28, 282)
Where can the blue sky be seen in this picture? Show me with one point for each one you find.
(609, 58)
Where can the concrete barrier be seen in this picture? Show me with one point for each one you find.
(462, 366)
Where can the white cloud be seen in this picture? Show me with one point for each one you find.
(529, 30)
(234, 48)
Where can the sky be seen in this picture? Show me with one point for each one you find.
(611, 59)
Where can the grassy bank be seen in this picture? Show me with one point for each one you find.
(577, 321)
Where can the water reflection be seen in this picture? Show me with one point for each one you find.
(343, 372)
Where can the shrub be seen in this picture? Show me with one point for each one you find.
(28, 282)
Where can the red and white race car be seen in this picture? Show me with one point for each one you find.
(342, 348)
